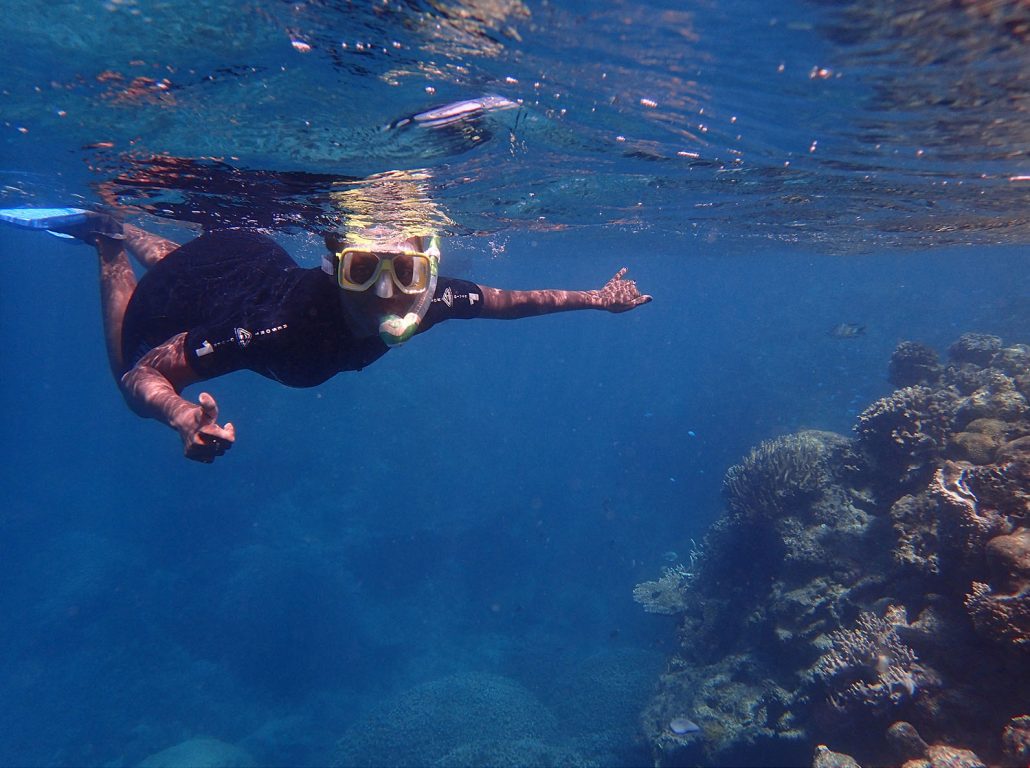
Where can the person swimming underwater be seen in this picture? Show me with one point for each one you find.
(235, 299)
(232, 300)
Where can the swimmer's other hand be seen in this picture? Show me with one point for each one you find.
(620, 295)
(202, 438)
(96, 226)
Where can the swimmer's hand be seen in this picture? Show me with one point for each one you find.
(620, 295)
(203, 440)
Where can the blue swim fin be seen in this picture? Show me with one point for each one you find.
(43, 218)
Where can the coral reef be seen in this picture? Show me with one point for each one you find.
(976, 348)
(903, 432)
(1001, 610)
(869, 666)
(1016, 740)
(827, 758)
(910, 751)
(858, 592)
(666, 594)
(914, 364)
(780, 474)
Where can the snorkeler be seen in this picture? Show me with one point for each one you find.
(231, 300)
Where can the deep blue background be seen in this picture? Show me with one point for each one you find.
(484, 498)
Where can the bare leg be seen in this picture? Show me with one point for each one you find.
(146, 247)
(117, 282)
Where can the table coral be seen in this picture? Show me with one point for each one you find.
(666, 595)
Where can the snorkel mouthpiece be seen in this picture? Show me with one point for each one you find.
(394, 330)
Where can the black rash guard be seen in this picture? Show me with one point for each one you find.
(244, 303)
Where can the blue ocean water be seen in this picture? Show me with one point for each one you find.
(442, 548)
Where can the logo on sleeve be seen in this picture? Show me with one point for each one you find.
(450, 298)
(243, 337)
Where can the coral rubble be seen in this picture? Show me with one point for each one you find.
(862, 593)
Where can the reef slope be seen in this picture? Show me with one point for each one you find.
(867, 594)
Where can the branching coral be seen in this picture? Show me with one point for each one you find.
(1014, 360)
(668, 594)
(781, 473)
(868, 666)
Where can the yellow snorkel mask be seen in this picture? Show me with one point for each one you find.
(377, 212)
(414, 273)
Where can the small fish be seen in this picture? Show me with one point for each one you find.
(847, 331)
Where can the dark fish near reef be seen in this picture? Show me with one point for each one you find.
(847, 331)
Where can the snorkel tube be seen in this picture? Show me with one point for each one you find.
(394, 330)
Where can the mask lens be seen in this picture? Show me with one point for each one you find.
(362, 267)
(404, 269)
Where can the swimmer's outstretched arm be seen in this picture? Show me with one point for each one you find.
(617, 295)
(152, 390)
